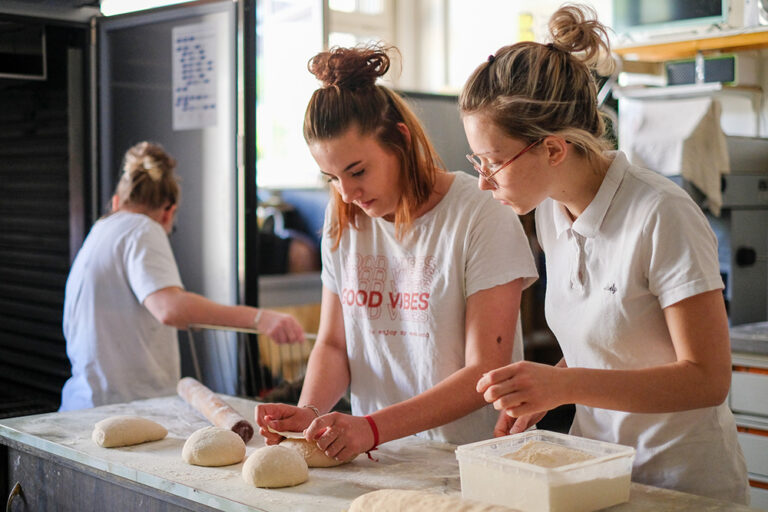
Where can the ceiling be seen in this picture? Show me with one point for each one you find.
(73, 10)
(62, 4)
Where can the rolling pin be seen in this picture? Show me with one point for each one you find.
(214, 408)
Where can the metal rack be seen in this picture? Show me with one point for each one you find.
(270, 367)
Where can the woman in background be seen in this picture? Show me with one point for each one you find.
(422, 276)
(124, 298)
(633, 282)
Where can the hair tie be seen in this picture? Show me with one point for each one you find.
(552, 46)
(150, 165)
(491, 58)
(155, 174)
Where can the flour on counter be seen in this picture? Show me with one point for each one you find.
(409, 463)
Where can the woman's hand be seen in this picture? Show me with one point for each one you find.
(507, 424)
(522, 388)
(281, 327)
(282, 417)
(341, 436)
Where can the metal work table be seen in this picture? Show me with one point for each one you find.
(60, 468)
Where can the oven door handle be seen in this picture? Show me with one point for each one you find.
(16, 491)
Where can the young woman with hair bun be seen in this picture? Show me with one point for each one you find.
(422, 275)
(124, 298)
(634, 293)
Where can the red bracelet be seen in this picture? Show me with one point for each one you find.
(375, 437)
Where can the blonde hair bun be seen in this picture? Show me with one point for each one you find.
(148, 177)
(574, 28)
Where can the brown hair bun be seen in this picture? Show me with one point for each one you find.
(350, 68)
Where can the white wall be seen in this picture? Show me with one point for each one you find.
(480, 28)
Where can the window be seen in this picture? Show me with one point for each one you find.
(441, 42)
(289, 33)
(352, 22)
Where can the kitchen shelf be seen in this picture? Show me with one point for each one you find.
(649, 57)
(754, 38)
(686, 91)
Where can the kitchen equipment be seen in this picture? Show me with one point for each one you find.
(748, 399)
(214, 408)
(275, 370)
(741, 228)
(487, 474)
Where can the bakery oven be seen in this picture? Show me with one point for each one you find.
(742, 229)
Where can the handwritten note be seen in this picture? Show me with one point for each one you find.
(194, 76)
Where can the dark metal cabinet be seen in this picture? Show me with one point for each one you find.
(48, 482)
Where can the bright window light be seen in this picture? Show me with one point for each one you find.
(113, 7)
(362, 6)
(342, 5)
(288, 34)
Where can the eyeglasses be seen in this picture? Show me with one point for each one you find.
(488, 175)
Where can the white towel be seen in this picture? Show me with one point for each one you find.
(681, 136)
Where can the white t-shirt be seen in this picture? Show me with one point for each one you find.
(641, 245)
(118, 350)
(404, 301)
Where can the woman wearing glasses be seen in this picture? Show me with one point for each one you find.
(633, 284)
(124, 299)
(422, 276)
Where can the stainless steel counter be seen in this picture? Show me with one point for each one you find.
(157, 470)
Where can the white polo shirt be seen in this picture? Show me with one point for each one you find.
(641, 245)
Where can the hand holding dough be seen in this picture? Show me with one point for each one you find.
(311, 453)
(275, 466)
(126, 431)
(213, 446)
(314, 457)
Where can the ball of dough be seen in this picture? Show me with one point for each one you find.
(314, 457)
(395, 500)
(126, 431)
(275, 466)
(213, 446)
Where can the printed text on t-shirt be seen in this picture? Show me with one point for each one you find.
(400, 287)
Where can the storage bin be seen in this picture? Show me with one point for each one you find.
(488, 475)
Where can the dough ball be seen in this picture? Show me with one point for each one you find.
(275, 466)
(126, 431)
(213, 446)
(314, 457)
(395, 500)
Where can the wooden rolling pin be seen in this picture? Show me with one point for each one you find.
(214, 408)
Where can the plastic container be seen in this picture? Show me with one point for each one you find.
(488, 476)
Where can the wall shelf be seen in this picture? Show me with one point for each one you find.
(649, 58)
(754, 38)
(686, 91)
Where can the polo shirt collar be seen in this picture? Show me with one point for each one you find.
(588, 223)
